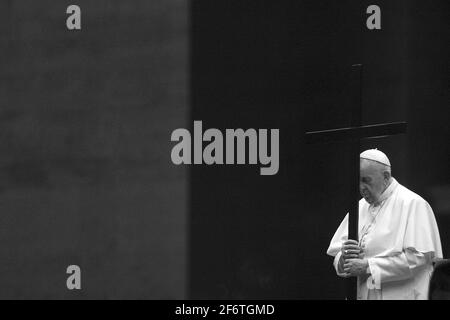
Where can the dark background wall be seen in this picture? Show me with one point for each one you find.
(263, 64)
(85, 170)
(428, 99)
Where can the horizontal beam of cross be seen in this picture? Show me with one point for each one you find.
(369, 131)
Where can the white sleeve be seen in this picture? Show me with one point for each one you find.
(397, 267)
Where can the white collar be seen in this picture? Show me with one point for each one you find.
(388, 192)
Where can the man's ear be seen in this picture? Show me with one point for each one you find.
(387, 175)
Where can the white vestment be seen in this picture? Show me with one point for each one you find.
(400, 238)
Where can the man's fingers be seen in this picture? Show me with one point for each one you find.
(351, 255)
(347, 275)
(348, 263)
(351, 242)
(351, 247)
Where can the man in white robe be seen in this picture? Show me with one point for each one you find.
(398, 237)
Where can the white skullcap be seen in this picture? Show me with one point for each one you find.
(375, 155)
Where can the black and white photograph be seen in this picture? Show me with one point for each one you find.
(249, 152)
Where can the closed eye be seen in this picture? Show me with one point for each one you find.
(366, 180)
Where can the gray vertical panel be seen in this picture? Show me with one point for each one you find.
(85, 172)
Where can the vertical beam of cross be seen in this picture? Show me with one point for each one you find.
(355, 146)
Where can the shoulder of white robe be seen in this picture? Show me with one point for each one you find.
(428, 240)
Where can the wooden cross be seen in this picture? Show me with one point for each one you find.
(353, 135)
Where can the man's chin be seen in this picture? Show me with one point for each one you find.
(368, 200)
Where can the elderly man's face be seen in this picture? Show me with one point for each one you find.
(372, 181)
